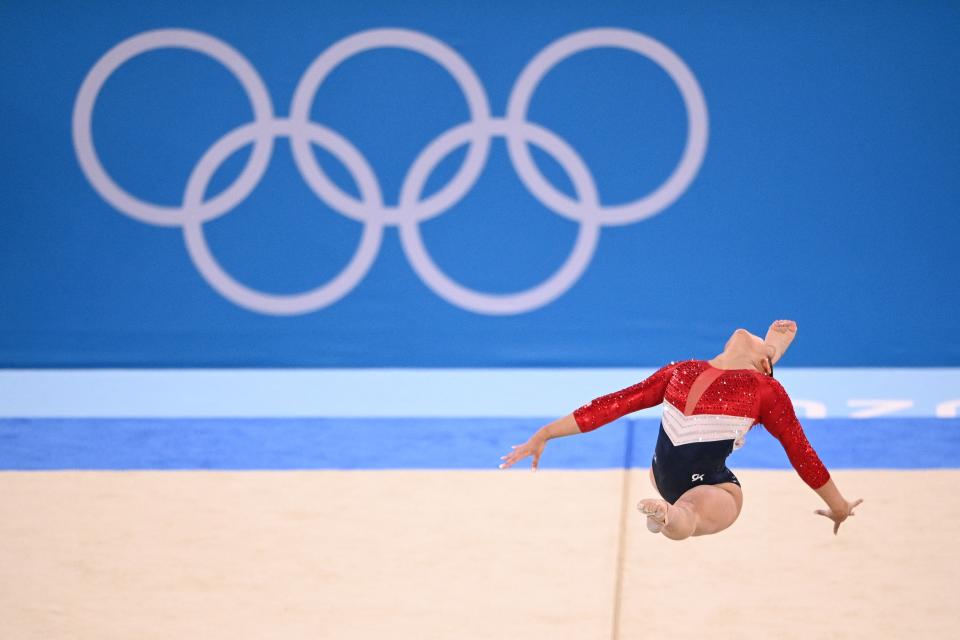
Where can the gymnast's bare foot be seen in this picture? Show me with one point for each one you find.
(779, 336)
(656, 512)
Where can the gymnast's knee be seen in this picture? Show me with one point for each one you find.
(676, 535)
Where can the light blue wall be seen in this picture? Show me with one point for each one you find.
(828, 192)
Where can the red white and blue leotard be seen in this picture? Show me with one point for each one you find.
(706, 415)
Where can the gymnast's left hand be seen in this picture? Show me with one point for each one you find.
(532, 447)
(839, 515)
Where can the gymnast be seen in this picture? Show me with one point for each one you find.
(708, 408)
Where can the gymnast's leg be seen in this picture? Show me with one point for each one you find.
(702, 510)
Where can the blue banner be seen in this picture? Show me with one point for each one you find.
(454, 184)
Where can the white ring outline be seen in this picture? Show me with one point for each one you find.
(693, 100)
(120, 54)
(428, 46)
(282, 304)
(492, 303)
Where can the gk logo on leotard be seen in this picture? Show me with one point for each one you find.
(697, 477)
(413, 208)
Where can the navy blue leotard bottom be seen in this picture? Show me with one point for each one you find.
(679, 468)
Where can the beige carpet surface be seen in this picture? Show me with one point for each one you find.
(424, 554)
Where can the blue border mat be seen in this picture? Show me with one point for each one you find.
(408, 443)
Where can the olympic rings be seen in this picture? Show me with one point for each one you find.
(412, 209)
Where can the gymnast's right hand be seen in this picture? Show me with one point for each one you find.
(532, 447)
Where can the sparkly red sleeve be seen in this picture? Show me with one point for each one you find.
(615, 405)
(777, 415)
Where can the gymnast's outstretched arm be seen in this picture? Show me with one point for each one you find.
(779, 418)
(593, 415)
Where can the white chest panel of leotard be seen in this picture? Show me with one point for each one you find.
(682, 429)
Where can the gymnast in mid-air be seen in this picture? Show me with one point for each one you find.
(708, 408)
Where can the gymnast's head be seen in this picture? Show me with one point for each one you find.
(762, 352)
